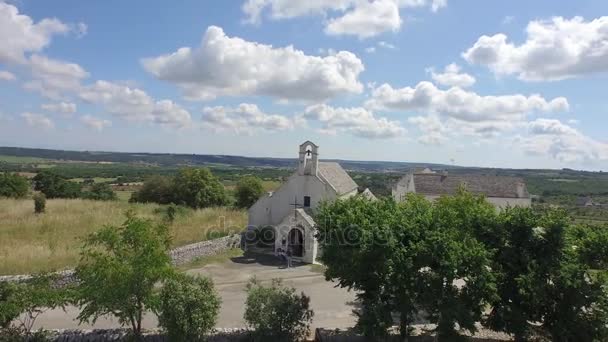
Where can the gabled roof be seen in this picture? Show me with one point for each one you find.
(335, 175)
(491, 186)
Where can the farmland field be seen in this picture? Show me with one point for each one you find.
(50, 241)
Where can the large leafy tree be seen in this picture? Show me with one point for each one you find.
(198, 188)
(457, 280)
(55, 186)
(119, 268)
(545, 276)
(248, 190)
(404, 258)
(100, 192)
(13, 185)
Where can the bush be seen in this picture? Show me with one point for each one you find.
(22, 303)
(156, 189)
(39, 203)
(100, 192)
(13, 185)
(198, 188)
(277, 313)
(55, 186)
(189, 308)
(119, 269)
(248, 190)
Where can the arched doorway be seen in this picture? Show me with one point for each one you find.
(296, 242)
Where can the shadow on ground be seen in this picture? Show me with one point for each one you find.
(250, 258)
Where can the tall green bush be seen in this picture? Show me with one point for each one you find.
(198, 188)
(277, 313)
(189, 308)
(248, 190)
(13, 185)
(100, 192)
(156, 189)
(39, 203)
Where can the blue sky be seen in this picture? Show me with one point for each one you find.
(482, 83)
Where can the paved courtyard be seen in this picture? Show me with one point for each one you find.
(333, 306)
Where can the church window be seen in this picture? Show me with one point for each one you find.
(306, 201)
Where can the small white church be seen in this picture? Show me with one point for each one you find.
(288, 209)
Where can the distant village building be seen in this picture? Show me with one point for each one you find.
(501, 191)
(289, 209)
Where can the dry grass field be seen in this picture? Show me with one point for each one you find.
(51, 241)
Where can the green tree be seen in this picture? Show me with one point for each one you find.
(248, 190)
(24, 302)
(119, 268)
(358, 235)
(457, 280)
(418, 252)
(198, 188)
(13, 185)
(156, 189)
(277, 312)
(100, 192)
(55, 186)
(189, 308)
(544, 270)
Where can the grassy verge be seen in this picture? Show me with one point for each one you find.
(214, 259)
(44, 242)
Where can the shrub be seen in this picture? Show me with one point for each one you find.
(277, 312)
(100, 192)
(39, 203)
(248, 190)
(198, 188)
(119, 268)
(55, 186)
(189, 308)
(24, 302)
(156, 189)
(13, 185)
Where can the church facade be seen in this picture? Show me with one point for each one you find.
(289, 209)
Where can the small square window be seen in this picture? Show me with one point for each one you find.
(306, 201)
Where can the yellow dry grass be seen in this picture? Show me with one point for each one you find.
(32, 242)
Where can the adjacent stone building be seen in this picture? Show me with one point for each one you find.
(501, 191)
(288, 209)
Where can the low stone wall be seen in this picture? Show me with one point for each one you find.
(339, 335)
(218, 335)
(185, 254)
(179, 256)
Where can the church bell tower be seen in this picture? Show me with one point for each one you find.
(308, 161)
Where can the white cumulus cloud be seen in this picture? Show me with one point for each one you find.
(554, 49)
(37, 120)
(451, 76)
(61, 107)
(19, 34)
(245, 118)
(363, 18)
(7, 76)
(561, 141)
(53, 78)
(95, 123)
(134, 104)
(356, 121)
(231, 66)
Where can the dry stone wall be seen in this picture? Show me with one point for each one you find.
(218, 335)
(179, 256)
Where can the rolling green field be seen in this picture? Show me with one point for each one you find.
(44, 242)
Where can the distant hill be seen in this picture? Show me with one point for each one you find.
(170, 159)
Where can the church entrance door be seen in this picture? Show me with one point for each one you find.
(296, 242)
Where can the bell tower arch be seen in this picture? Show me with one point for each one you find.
(308, 160)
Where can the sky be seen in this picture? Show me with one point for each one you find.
(516, 84)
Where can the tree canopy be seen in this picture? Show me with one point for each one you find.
(198, 188)
(450, 260)
(13, 185)
(248, 190)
